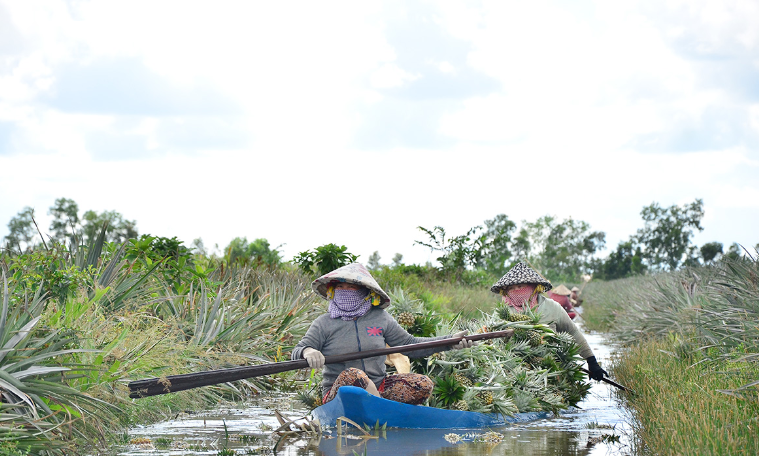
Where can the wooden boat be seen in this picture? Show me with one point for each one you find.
(357, 405)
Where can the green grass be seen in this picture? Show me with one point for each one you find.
(679, 409)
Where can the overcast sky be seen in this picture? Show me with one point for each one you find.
(355, 122)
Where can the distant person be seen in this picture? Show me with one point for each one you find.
(522, 286)
(356, 321)
(574, 297)
(561, 294)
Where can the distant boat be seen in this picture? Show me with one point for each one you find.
(357, 405)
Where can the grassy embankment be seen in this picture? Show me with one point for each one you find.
(692, 349)
(75, 329)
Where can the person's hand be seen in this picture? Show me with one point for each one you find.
(595, 370)
(314, 357)
(464, 342)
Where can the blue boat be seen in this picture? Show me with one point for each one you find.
(357, 405)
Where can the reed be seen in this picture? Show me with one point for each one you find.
(679, 409)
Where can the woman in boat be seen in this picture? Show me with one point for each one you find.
(356, 321)
(561, 294)
(524, 286)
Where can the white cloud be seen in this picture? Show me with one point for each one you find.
(580, 85)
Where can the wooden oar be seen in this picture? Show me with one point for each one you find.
(610, 382)
(174, 383)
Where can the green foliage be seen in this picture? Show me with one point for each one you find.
(324, 259)
(457, 253)
(561, 250)
(374, 261)
(118, 229)
(65, 214)
(710, 250)
(21, 232)
(49, 272)
(258, 252)
(448, 390)
(666, 235)
(683, 408)
(626, 261)
(33, 377)
(498, 255)
(529, 372)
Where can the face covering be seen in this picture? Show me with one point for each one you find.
(349, 304)
(518, 298)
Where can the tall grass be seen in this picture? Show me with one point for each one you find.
(678, 408)
(692, 356)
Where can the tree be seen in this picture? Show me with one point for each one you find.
(735, 252)
(458, 252)
(324, 259)
(119, 229)
(259, 251)
(710, 250)
(374, 261)
(21, 231)
(199, 247)
(562, 250)
(65, 214)
(397, 260)
(498, 244)
(666, 235)
(626, 261)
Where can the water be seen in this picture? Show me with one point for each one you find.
(598, 427)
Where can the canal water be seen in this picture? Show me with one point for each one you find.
(598, 427)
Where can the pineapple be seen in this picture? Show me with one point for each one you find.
(535, 338)
(461, 405)
(518, 317)
(486, 397)
(406, 319)
(462, 379)
(405, 308)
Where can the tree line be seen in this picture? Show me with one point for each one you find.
(563, 250)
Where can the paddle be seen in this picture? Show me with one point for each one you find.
(610, 382)
(174, 383)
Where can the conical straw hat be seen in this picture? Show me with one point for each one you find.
(353, 273)
(561, 290)
(521, 273)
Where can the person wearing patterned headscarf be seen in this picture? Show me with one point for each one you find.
(522, 286)
(356, 321)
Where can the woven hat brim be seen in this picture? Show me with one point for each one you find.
(519, 274)
(354, 273)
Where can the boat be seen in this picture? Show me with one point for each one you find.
(361, 407)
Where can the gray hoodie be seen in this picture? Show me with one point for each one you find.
(335, 336)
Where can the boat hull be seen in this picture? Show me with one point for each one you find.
(357, 405)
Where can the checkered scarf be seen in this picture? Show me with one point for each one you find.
(518, 298)
(349, 304)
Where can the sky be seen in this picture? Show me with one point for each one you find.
(354, 123)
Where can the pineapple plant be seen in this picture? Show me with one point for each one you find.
(448, 391)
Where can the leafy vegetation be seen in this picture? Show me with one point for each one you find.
(324, 259)
(693, 355)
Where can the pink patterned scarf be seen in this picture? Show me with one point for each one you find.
(518, 298)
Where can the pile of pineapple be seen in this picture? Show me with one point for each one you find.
(535, 370)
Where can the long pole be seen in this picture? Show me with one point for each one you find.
(174, 383)
(610, 382)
